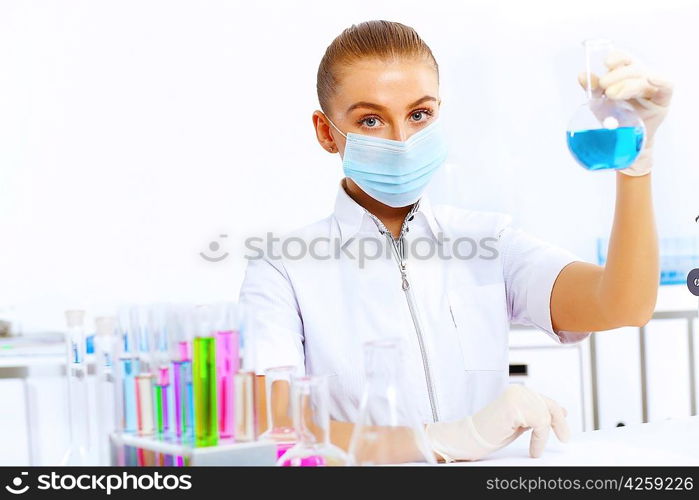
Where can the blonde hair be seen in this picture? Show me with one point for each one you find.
(385, 40)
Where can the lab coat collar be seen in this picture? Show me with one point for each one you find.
(425, 209)
(350, 215)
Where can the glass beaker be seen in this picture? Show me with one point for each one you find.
(280, 424)
(313, 448)
(388, 430)
(603, 134)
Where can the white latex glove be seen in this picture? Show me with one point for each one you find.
(498, 424)
(648, 94)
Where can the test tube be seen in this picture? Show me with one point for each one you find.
(142, 320)
(204, 381)
(183, 394)
(245, 384)
(160, 325)
(105, 348)
(79, 451)
(162, 386)
(227, 364)
(184, 350)
(127, 370)
(245, 414)
(184, 400)
(144, 403)
(142, 335)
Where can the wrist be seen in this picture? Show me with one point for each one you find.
(642, 165)
(458, 440)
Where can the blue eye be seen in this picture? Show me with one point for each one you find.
(419, 115)
(369, 122)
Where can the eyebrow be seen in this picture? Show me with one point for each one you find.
(366, 104)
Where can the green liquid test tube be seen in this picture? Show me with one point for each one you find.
(158, 404)
(204, 380)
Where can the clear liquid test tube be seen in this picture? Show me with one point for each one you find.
(244, 407)
(144, 402)
(105, 348)
(79, 451)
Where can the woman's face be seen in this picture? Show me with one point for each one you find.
(392, 100)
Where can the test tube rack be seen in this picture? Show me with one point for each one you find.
(256, 453)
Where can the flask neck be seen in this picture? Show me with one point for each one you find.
(311, 415)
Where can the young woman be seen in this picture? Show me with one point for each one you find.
(378, 87)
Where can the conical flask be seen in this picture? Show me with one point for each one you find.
(313, 448)
(603, 134)
(388, 430)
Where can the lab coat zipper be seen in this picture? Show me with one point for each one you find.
(405, 285)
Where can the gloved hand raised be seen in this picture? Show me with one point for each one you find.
(648, 94)
(500, 423)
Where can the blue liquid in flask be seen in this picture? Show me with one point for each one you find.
(601, 149)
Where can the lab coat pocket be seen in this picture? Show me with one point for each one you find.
(479, 315)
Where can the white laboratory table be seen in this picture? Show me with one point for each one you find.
(669, 442)
(20, 359)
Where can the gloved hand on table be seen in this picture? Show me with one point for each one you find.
(647, 93)
(498, 424)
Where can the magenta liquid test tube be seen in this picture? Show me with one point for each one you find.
(227, 364)
(184, 350)
(182, 381)
(177, 393)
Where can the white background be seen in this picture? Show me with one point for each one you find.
(133, 133)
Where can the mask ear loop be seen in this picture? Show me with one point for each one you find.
(331, 123)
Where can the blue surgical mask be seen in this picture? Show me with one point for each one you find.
(394, 172)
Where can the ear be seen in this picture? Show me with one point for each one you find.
(322, 128)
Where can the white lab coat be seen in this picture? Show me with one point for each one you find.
(316, 312)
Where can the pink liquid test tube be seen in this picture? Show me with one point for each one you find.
(184, 349)
(183, 394)
(227, 364)
(177, 393)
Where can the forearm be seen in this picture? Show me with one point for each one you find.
(341, 433)
(587, 297)
(628, 285)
